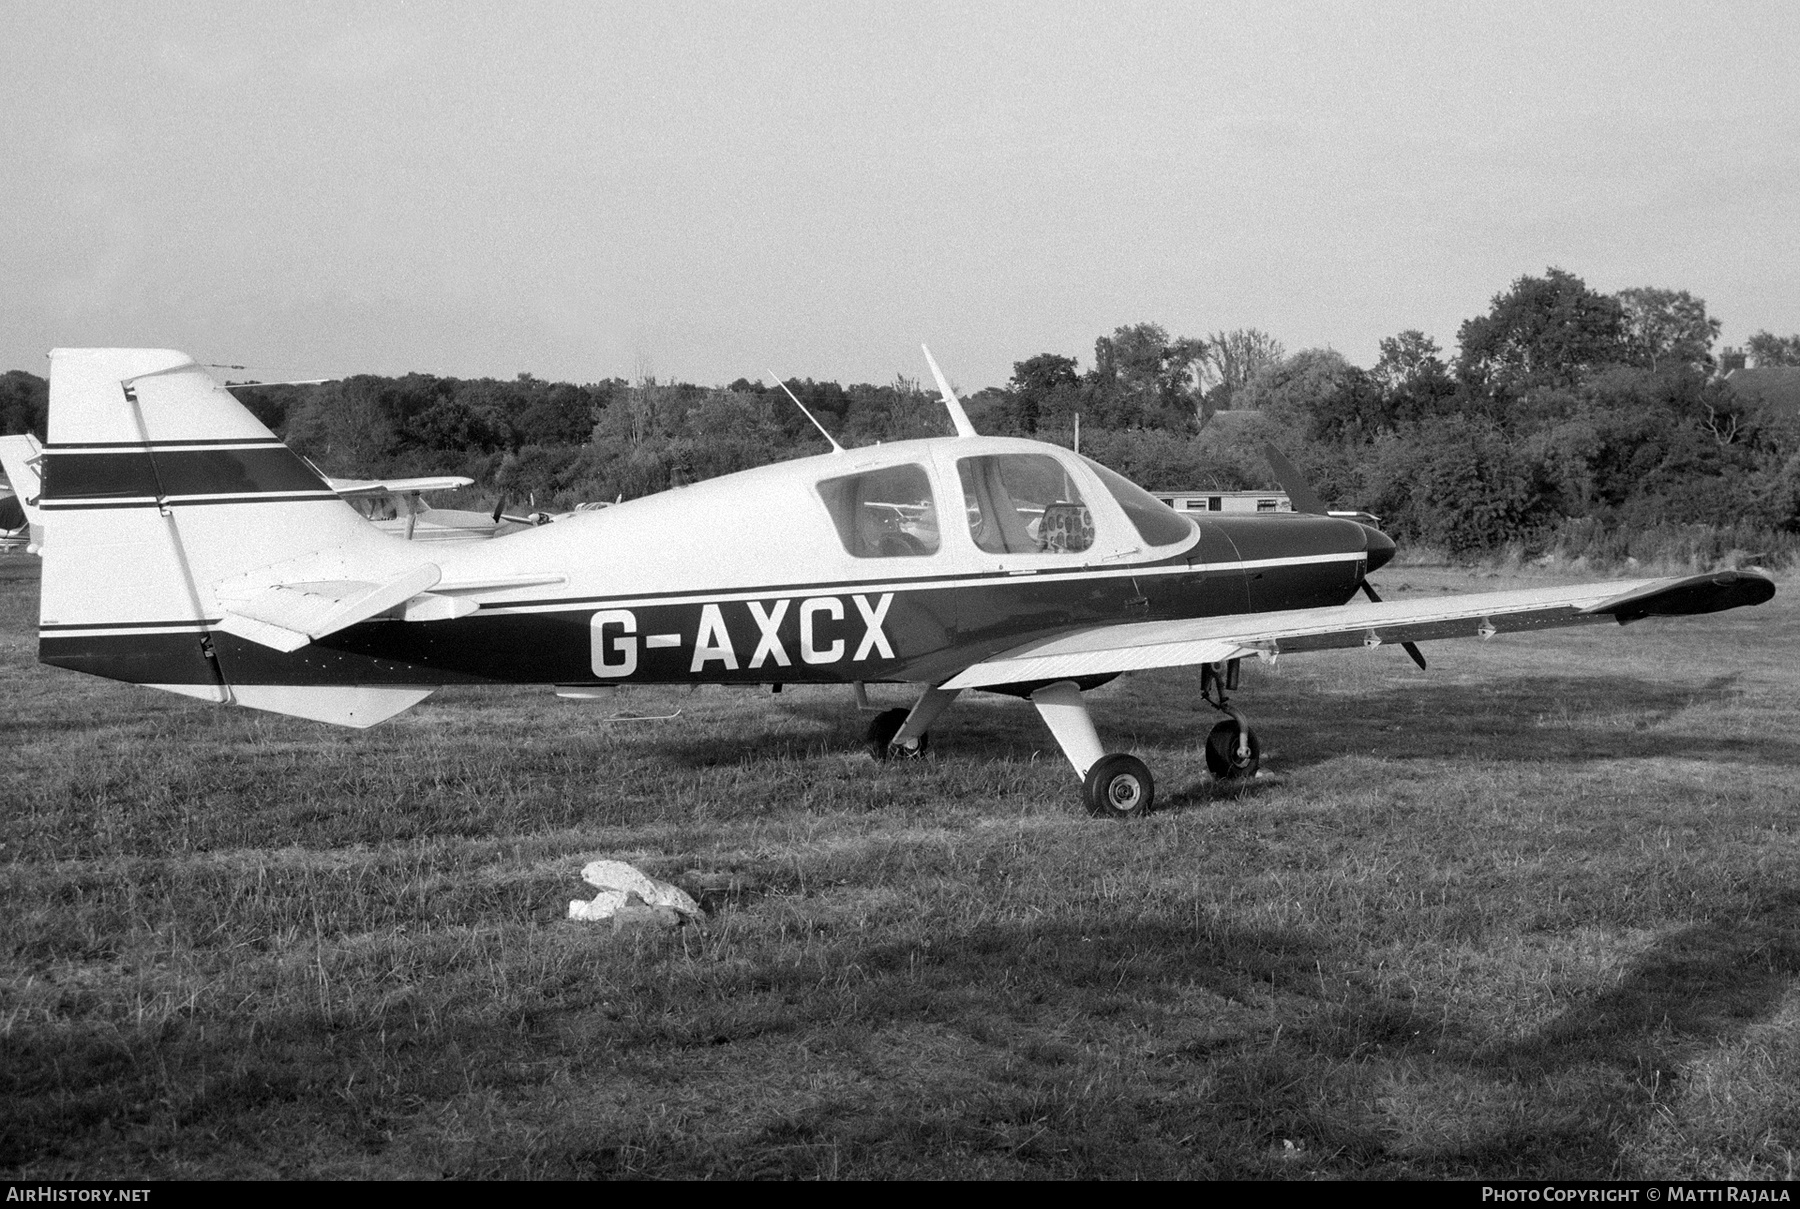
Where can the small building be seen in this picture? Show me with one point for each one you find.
(1773, 390)
(1226, 501)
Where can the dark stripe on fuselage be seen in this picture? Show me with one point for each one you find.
(1296, 535)
(829, 633)
(96, 477)
(193, 501)
(182, 622)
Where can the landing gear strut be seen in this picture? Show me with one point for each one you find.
(1114, 786)
(1232, 752)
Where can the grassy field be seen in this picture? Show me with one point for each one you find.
(1535, 912)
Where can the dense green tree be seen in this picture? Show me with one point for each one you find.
(1414, 381)
(1458, 483)
(1565, 408)
(556, 414)
(1232, 359)
(24, 403)
(1144, 379)
(1667, 328)
(344, 427)
(1769, 349)
(1548, 330)
(1315, 395)
(1035, 382)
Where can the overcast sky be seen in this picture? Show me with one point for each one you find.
(583, 190)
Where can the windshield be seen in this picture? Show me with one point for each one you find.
(1155, 522)
(1024, 503)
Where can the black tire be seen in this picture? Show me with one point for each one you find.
(1222, 758)
(882, 729)
(1119, 787)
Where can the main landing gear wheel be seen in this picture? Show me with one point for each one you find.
(1224, 759)
(1119, 786)
(882, 729)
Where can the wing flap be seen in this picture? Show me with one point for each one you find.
(1152, 644)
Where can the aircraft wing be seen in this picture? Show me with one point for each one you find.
(358, 487)
(20, 457)
(1137, 646)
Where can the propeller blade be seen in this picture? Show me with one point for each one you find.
(1299, 492)
(499, 509)
(1409, 647)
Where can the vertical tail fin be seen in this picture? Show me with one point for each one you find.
(158, 487)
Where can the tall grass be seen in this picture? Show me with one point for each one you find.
(1586, 546)
(1530, 914)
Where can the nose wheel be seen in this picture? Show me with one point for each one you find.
(880, 737)
(1232, 752)
(901, 734)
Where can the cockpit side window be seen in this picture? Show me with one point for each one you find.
(1024, 503)
(886, 513)
(1155, 522)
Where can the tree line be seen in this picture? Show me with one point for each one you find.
(1566, 417)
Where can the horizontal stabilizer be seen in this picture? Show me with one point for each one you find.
(289, 616)
(357, 705)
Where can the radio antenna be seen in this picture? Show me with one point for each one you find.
(835, 447)
(958, 416)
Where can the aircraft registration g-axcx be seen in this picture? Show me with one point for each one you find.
(189, 550)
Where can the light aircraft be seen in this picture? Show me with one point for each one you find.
(191, 551)
(20, 458)
(15, 527)
(398, 506)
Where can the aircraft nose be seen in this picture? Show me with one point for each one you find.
(1379, 546)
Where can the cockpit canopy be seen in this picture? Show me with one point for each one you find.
(1013, 503)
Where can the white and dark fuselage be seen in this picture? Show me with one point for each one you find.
(790, 573)
(188, 549)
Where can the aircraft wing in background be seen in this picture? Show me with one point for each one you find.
(361, 487)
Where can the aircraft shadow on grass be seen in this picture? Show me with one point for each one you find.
(1561, 720)
(1603, 1069)
(1572, 1097)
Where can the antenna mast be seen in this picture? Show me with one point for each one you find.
(958, 416)
(835, 447)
